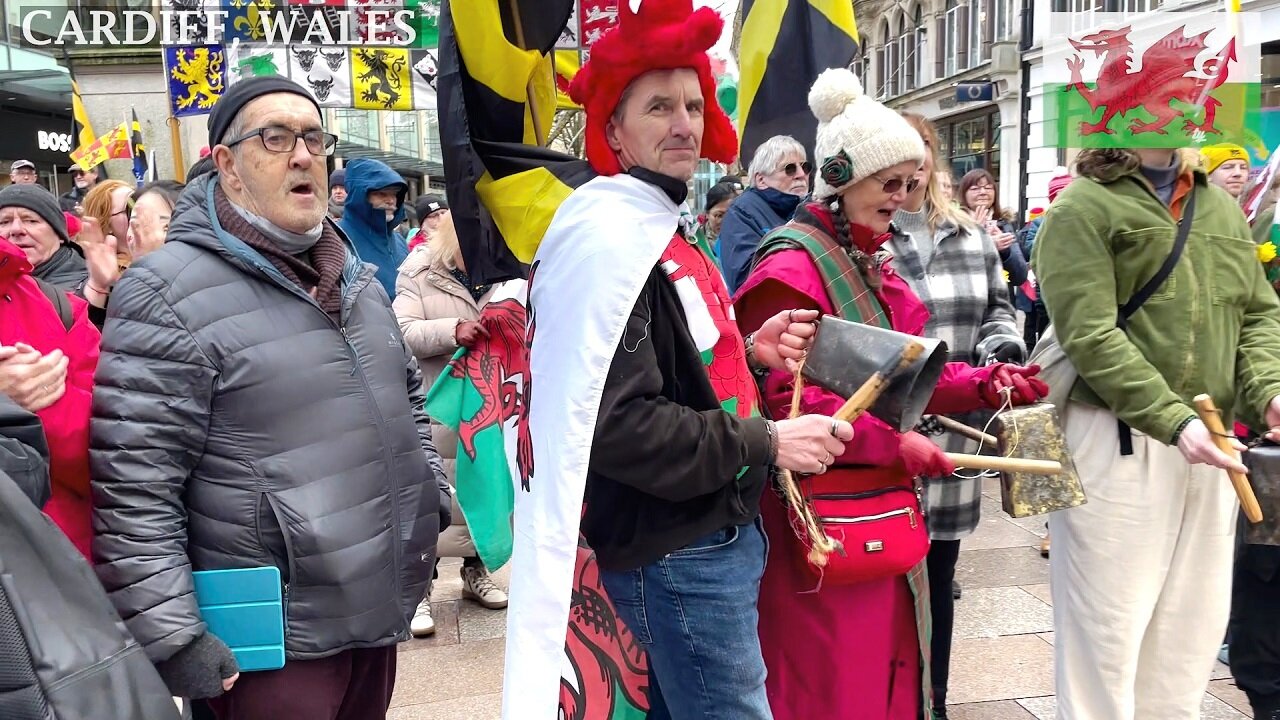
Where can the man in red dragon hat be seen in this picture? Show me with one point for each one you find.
(642, 401)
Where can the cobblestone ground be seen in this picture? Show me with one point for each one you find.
(1002, 663)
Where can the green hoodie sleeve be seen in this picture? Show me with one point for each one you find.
(1257, 372)
(1075, 265)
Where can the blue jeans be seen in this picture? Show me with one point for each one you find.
(694, 611)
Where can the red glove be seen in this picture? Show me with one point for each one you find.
(919, 457)
(1027, 388)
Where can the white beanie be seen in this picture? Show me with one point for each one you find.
(857, 136)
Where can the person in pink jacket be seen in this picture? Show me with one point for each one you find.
(833, 649)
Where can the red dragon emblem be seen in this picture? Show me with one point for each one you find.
(609, 665)
(498, 367)
(1168, 76)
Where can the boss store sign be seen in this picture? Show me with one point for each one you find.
(43, 139)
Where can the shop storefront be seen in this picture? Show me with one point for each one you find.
(42, 137)
(971, 141)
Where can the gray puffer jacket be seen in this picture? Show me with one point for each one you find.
(236, 425)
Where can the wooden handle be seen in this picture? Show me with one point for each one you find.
(1005, 464)
(960, 428)
(1212, 420)
(867, 395)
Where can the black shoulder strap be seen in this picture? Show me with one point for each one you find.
(59, 300)
(1146, 291)
(1179, 243)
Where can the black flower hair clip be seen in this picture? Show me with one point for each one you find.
(837, 170)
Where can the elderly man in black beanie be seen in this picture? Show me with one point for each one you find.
(31, 218)
(256, 406)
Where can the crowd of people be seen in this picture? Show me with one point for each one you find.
(230, 373)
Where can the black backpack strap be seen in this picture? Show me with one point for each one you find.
(59, 300)
(1146, 291)
(1179, 243)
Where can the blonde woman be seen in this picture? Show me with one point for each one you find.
(955, 269)
(438, 306)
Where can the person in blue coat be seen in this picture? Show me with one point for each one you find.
(374, 207)
(779, 175)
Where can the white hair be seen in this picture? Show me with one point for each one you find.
(770, 155)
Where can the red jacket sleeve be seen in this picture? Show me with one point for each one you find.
(957, 389)
(66, 422)
(874, 442)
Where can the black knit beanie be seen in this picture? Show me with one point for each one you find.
(39, 201)
(245, 92)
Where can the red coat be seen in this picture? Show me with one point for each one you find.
(27, 316)
(841, 651)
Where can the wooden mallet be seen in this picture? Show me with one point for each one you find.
(1212, 420)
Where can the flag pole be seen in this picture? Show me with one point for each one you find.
(535, 113)
(175, 139)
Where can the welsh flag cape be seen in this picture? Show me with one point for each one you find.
(524, 447)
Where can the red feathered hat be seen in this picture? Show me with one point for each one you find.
(661, 35)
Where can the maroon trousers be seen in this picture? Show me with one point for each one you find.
(352, 685)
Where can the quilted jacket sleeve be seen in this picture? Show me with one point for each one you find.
(426, 336)
(151, 413)
(418, 402)
(24, 455)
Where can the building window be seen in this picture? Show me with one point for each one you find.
(859, 67)
(919, 51)
(882, 64)
(1006, 18)
(978, 32)
(906, 56)
(1137, 7)
(951, 44)
(971, 141)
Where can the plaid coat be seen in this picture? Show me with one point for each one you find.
(968, 300)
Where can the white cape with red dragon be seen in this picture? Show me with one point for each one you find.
(585, 279)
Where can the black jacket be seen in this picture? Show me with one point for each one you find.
(235, 424)
(666, 459)
(64, 652)
(24, 454)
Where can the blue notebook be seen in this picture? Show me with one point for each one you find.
(244, 608)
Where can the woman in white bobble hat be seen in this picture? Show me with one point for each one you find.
(845, 642)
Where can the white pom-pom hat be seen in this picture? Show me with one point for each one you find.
(857, 136)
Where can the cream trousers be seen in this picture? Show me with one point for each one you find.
(1141, 577)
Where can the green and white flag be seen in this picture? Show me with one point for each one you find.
(479, 396)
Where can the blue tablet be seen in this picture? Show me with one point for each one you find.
(244, 608)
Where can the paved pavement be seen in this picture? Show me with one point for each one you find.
(1002, 668)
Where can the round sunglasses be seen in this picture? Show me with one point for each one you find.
(791, 168)
(893, 185)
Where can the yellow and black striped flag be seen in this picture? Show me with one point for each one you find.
(85, 134)
(496, 78)
(785, 44)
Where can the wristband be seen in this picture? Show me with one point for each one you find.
(772, 429)
(749, 343)
(1177, 433)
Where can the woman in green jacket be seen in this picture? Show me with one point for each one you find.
(1141, 574)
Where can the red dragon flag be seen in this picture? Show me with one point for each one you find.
(483, 396)
(1177, 79)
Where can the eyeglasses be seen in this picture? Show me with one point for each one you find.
(791, 168)
(284, 140)
(127, 210)
(893, 185)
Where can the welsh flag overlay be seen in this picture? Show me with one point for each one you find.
(482, 397)
(1172, 79)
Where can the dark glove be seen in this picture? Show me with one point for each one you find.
(446, 509)
(1007, 353)
(1026, 388)
(197, 670)
(919, 457)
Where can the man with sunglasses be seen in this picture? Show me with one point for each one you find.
(257, 407)
(779, 180)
